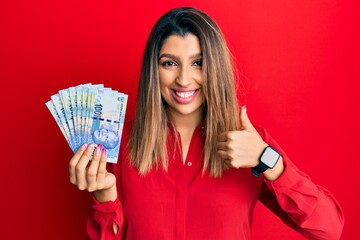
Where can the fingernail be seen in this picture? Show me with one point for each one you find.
(98, 148)
(83, 147)
(103, 152)
(90, 147)
(244, 107)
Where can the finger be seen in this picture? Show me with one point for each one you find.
(222, 146)
(93, 170)
(80, 168)
(227, 136)
(223, 154)
(101, 177)
(73, 162)
(227, 163)
(245, 121)
(110, 180)
(222, 137)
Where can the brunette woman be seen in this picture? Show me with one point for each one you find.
(192, 165)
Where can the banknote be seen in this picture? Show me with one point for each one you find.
(106, 116)
(61, 113)
(84, 97)
(91, 114)
(78, 110)
(73, 104)
(50, 105)
(89, 100)
(69, 115)
(123, 98)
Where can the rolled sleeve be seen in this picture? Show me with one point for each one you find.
(100, 224)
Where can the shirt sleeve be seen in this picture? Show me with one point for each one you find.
(306, 207)
(103, 216)
(100, 223)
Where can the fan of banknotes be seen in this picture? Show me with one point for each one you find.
(90, 114)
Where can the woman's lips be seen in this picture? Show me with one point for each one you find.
(184, 96)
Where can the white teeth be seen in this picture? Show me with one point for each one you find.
(184, 94)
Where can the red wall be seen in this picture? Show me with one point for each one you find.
(300, 61)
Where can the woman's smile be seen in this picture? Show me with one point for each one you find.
(184, 96)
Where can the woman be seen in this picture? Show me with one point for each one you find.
(190, 162)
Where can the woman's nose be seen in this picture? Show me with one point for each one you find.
(184, 77)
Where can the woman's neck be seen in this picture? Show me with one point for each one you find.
(186, 122)
(185, 125)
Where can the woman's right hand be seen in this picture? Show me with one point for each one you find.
(92, 175)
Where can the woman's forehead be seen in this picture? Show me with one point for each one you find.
(188, 45)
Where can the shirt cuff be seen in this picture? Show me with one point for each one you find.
(105, 207)
(295, 192)
(290, 177)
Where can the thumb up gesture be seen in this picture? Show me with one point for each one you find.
(241, 149)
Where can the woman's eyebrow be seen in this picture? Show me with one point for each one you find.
(196, 55)
(168, 55)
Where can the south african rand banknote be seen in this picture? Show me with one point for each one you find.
(57, 118)
(106, 121)
(58, 106)
(90, 114)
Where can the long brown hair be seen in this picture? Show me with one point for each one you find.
(147, 142)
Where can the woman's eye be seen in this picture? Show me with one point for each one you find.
(198, 63)
(168, 63)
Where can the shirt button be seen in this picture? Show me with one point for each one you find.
(189, 164)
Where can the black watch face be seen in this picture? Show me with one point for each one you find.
(270, 157)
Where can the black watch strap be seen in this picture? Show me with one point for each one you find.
(261, 167)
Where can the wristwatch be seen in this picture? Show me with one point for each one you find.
(268, 159)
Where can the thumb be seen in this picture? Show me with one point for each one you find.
(244, 120)
(110, 180)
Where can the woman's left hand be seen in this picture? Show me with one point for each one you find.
(242, 149)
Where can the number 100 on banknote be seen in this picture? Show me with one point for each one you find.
(90, 114)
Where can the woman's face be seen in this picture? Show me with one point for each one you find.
(180, 75)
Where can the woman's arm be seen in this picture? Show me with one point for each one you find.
(106, 215)
(289, 193)
(105, 220)
(308, 208)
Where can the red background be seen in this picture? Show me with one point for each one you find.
(300, 61)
